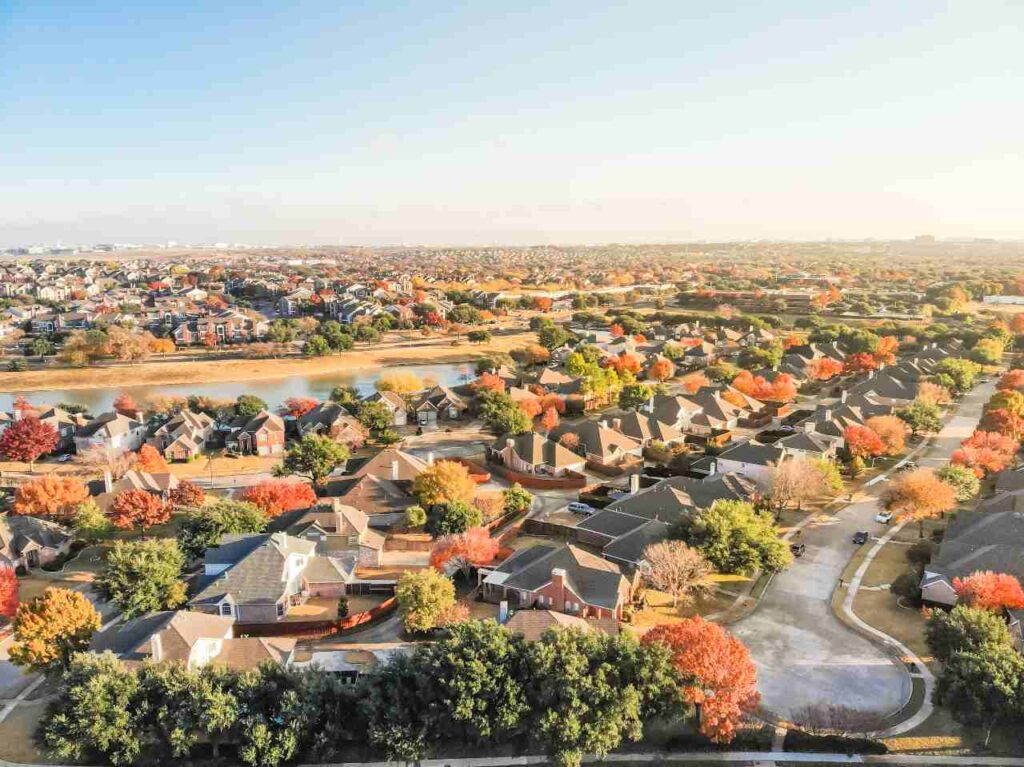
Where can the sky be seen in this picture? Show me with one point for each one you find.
(509, 122)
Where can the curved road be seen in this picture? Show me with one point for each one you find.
(804, 655)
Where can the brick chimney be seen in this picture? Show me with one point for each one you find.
(558, 588)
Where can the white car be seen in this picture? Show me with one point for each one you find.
(885, 517)
(580, 508)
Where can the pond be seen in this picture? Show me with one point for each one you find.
(273, 391)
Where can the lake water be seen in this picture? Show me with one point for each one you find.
(273, 391)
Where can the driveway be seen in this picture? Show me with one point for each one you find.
(804, 655)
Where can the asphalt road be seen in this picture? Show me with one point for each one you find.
(805, 656)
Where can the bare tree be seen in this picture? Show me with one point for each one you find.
(797, 480)
(676, 569)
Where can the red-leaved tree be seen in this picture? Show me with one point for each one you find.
(125, 403)
(862, 442)
(187, 495)
(137, 508)
(470, 549)
(1012, 380)
(1003, 421)
(823, 369)
(549, 420)
(986, 452)
(28, 439)
(276, 496)
(299, 406)
(860, 363)
(987, 590)
(724, 679)
(8, 592)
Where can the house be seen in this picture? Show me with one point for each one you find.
(531, 625)
(439, 404)
(193, 639)
(646, 429)
(263, 434)
(337, 527)
(184, 436)
(622, 537)
(255, 578)
(562, 578)
(393, 464)
(396, 404)
(807, 443)
(293, 303)
(64, 423)
(115, 433)
(355, 660)
(975, 541)
(675, 410)
(601, 443)
(532, 453)
(332, 420)
(752, 459)
(159, 484)
(28, 542)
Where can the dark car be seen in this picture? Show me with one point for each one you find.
(861, 537)
(798, 549)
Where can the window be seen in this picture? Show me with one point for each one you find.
(280, 610)
(226, 609)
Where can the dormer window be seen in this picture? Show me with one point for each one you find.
(226, 609)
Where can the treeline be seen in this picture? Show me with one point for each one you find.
(481, 687)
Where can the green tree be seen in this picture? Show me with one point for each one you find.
(185, 707)
(754, 358)
(516, 499)
(957, 374)
(272, 715)
(964, 481)
(634, 396)
(478, 336)
(248, 405)
(282, 331)
(40, 347)
(367, 334)
(984, 688)
(90, 523)
(313, 456)
(424, 599)
(921, 417)
(144, 576)
(203, 527)
(553, 336)
(453, 518)
(964, 629)
(99, 712)
(316, 346)
(396, 706)
(346, 396)
(415, 516)
(502, 415)
(735, 538)
(376, 416)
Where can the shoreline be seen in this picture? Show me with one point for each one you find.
(155, 373)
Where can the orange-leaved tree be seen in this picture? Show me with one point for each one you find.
(150, 460)
(52, 496)
(721, 677)
(919, 495)
(986, 452)
(661, 369)
(823, 369)
(885, 352)
(444, 482)
(299, 406)
(137, 508)
(49, 629)
(467, 550)
(8, 591)
(276, 496)
(1012, 380)
(891, 430)
(862, 362)
(987, 590)
(187, 495)
(862, 442)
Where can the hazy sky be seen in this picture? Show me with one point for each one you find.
(449, 122)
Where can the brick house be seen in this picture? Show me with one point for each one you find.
(263, 434)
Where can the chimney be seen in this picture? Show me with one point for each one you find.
(558, 589)
(108, 481)
(634, 484)
(617, 424)
(430, 458)
(156, 648)
(394, 470)
(828, 414)
(843, 395)
(808, 426)
(604, 423)
(871, 374)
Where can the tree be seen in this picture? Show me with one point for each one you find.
(991, 591)
(144, 576)
(553, 336)
(8, 592)
(125, 404)
(444, 482)
(502, 415)
(549, 420)
(90, 523)
(424, 597)
(986, 452)
(956, 374)
(918, 495)
(823, 369)
(203, 527)
(932, 394)
(53, 496)
(983, 688)
(465, 550)
(862, 362)
(99, 710)
(187, 495)
(921, 416)
(376, 416)
(315, 457)
(150, 460)
(661, 369)
(516, 499)
(676, 569)
(720, 677)
(488, 382)
(346, 396)
(249, 406)
(299, 406)
(453, 517)
(635, 396)
(415, 516)
(801, 479)
(891, 430)
(400, 382)
(988, 351)
(735, 538)
(316, 346)
(1003, 421)
(276, 496)
(862, 442)
(1012, 401)
(964, 629)
(1012, 380)
(137, 508)
(589, 692)
(49, 629)
(478, 336)
(479, 682)
(965, 483)
(28, 439)
(40, 347)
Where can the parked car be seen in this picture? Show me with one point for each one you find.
(860, 537)
(578, 507)
(798, 549)
(885, 517)
(907, 466)
(64, 458)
